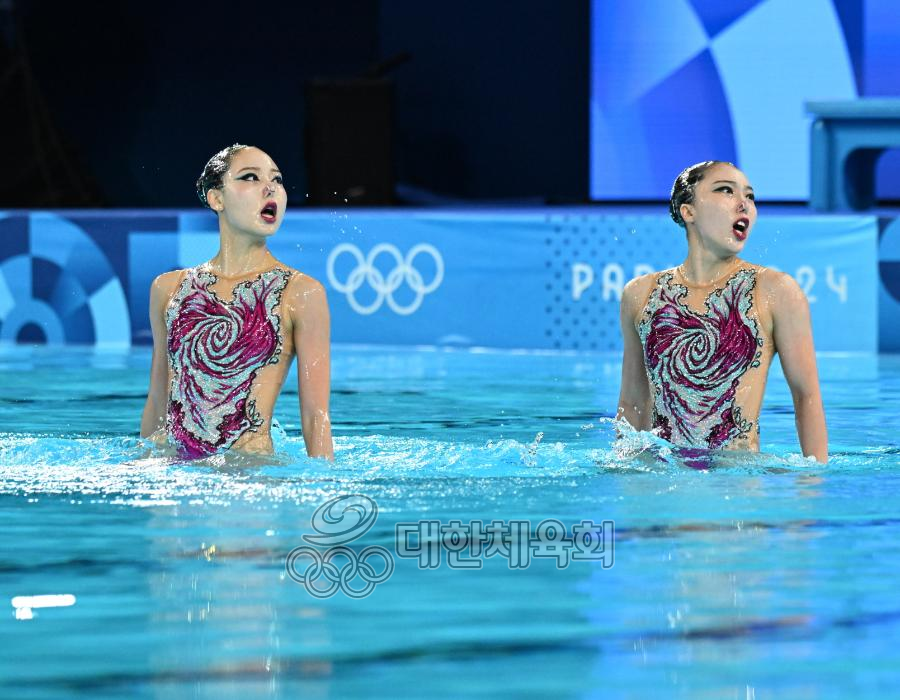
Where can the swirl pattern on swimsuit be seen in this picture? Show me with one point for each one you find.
(694, 361)
(216, 349)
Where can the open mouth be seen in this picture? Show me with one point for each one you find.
(269, 212)
(740, 228)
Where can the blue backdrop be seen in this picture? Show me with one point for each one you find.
(675, 82)
(538, 278)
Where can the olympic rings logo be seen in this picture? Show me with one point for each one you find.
(384, 287)
(340, 578)
(340, 521)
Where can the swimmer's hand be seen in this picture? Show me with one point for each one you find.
(158, 437)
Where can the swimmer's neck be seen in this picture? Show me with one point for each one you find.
(240, 257)
(701, 269)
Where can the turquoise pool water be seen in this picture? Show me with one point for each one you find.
(758, 577)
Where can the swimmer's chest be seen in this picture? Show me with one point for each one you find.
(710, 311)
(229, 312)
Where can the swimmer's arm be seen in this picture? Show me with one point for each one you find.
(153, 419)
(312, 340)
(792, 331)
(634, 394)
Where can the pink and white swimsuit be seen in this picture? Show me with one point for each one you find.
(695, 361)
(216, 348)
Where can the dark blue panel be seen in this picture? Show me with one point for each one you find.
(67, 295)
(13, 236)
(850, 15)
(688, 108)
(716, 15)
(44, 279)
(882, 49)
(31, 334)
(890, 278)
(882, 79)
(79, 326)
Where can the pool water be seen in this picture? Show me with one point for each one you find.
(756, 576)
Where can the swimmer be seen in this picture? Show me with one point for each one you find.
(225, 332)
(699, 337)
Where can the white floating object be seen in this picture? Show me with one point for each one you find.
(25, 604)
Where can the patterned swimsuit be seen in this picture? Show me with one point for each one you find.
(695, 361)
(216, 349)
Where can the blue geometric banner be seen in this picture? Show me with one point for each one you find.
(537, 278)
(676, 82)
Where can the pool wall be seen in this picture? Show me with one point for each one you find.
(541, 278)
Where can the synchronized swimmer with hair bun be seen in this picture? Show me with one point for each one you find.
(699, 338)
(225, 332)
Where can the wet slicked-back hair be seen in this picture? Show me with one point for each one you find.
(685, 186)
(214, 172)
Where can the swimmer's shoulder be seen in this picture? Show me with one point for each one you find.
(169, 280)
(637, 291)
(775, 282)
(301, 283)
(303, 289)
(164, 286)
(777, 296)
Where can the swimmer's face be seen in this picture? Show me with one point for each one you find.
(252, 197)
(723, 211)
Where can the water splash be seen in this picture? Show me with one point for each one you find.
(130, 468)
